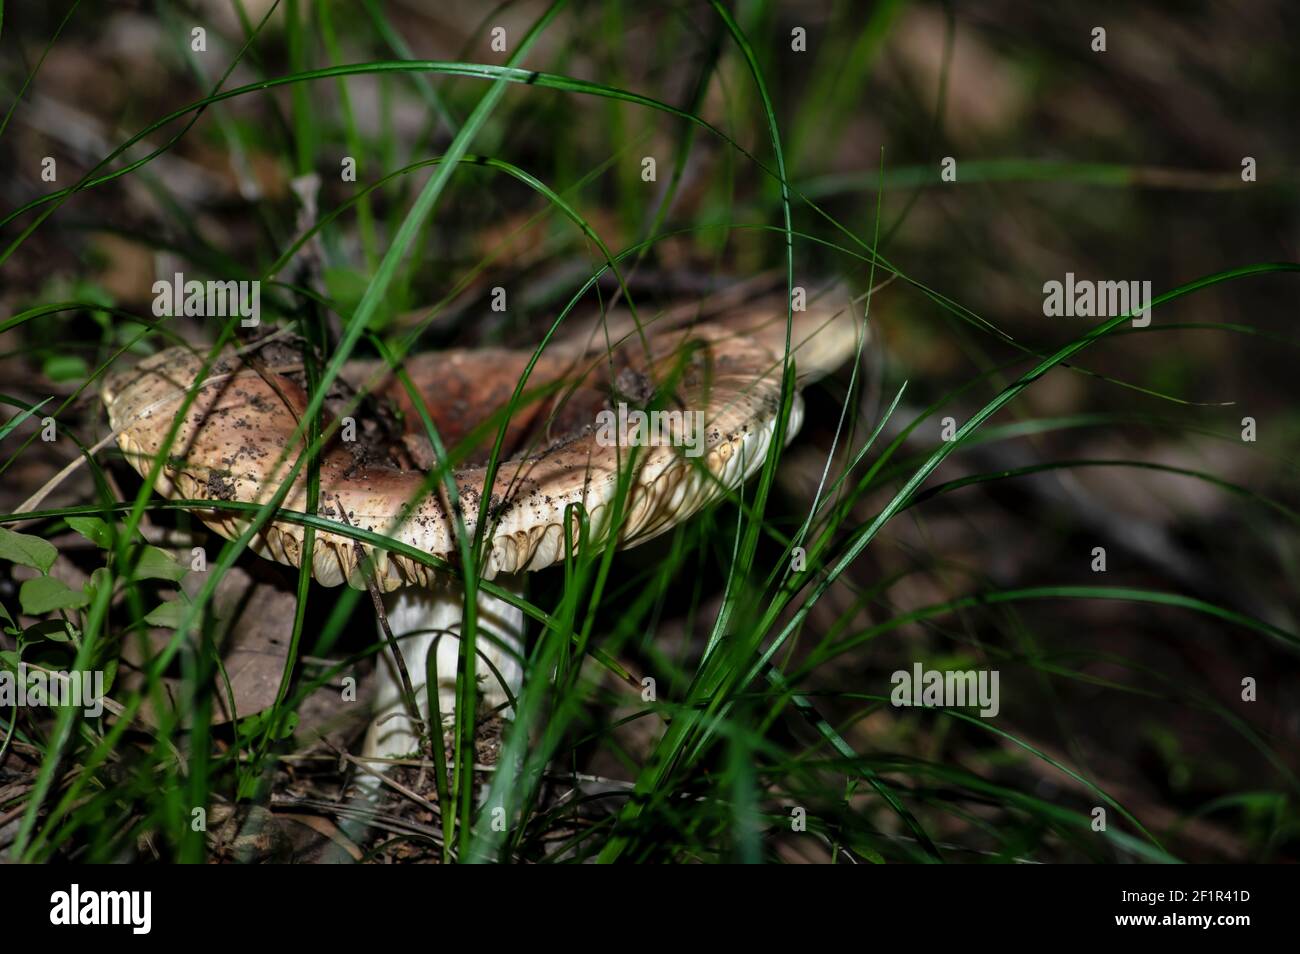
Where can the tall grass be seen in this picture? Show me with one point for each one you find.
(770, 735)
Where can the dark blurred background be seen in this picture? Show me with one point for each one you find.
(1122, 165)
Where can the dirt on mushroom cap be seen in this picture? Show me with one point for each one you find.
(236, 443)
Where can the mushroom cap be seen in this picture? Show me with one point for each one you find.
(233, 442)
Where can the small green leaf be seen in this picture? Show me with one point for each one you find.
(128, 333)
(53, 630)
(27, 550)
(167, 615)
(348, 286)
(46, 593)
(252, 726)
(285, 725)
(99, 579)
(110, 674)
(157, 564)
(11, 627)
(10, 659)
(93, 529)
(96, 294)
(65, 367)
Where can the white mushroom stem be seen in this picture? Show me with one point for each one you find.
(422, 620)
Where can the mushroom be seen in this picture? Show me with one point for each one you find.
(233, 444)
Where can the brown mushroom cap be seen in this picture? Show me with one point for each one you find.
(231, 440)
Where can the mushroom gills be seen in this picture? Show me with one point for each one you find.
(424, 620)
